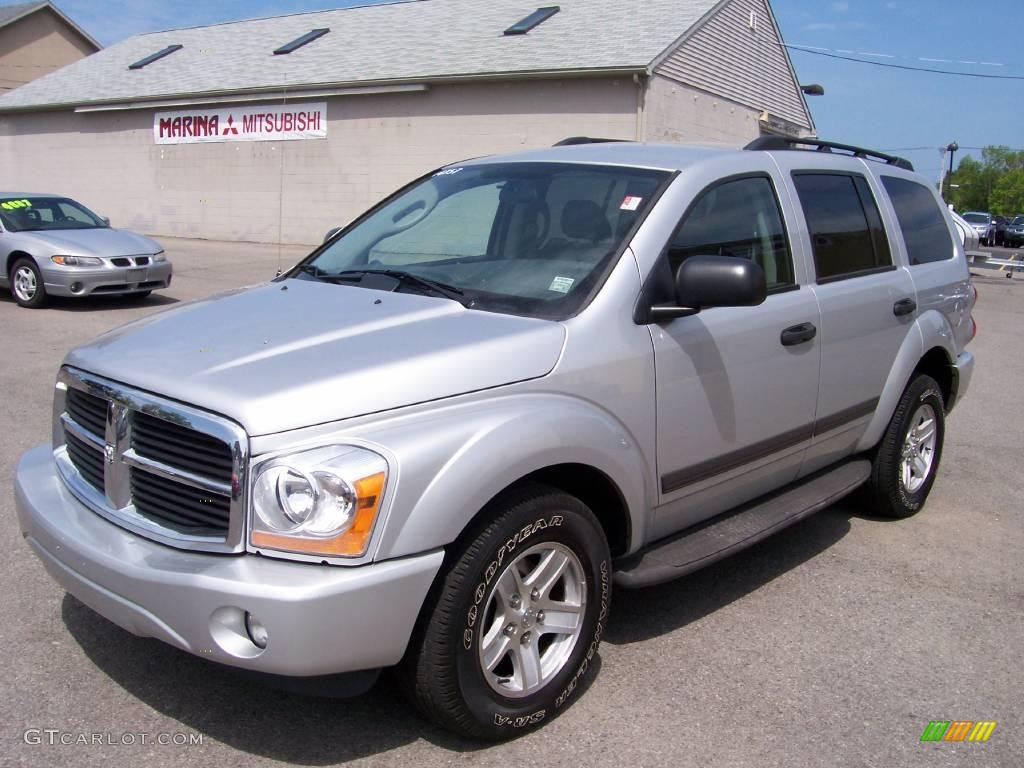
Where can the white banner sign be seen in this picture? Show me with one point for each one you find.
(267, 123)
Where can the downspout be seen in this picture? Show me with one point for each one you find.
(641, 104)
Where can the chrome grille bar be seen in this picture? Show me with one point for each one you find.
(169, 472)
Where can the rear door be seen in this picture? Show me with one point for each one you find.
(868, 302)
(735, 404)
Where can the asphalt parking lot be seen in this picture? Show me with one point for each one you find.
(832, 644)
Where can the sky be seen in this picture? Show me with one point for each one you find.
(865, 104)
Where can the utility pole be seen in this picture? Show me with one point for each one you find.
(952, 147)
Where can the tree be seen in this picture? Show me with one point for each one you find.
(1008, 195)
(977, 182)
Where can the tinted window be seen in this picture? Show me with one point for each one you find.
(923, 224)
(739, 218)
(844, 223)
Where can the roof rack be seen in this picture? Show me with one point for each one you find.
(573, 140)
(784, 142)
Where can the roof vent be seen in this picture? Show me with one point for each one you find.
(534, 19)
(155, 57)
(298, 42)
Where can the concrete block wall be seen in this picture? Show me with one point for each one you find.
(297, 190)
(674, 112)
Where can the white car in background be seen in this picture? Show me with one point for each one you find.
(968, 234)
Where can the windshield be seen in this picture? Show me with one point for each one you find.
(1018, 221)
(976, 218)
(524, 238)
(33, 214)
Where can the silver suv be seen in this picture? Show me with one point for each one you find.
(439, 440)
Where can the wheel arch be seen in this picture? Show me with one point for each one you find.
(927, 349)
(556, 441)
(13, 256)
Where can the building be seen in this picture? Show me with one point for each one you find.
(36, 39)
(279, 129)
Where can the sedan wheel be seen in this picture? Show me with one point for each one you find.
(27, 284)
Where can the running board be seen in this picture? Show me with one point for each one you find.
(722, 536)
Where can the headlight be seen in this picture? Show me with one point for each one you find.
(158, 257)
(77, 261)
(321, 502)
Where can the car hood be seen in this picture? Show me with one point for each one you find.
(291, 354)
(94, 242)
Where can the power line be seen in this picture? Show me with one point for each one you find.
(904, 66)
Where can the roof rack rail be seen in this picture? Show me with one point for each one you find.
(784, 142)
(573, 140)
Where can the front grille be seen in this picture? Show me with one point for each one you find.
(181, 447)
(89, 411)
(121, 261)
(177, 476)
(178, 506)
(88, 460)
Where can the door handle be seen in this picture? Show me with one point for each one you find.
(904, 307)
(798, 334)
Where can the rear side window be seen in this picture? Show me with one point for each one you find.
(922, 221)
(738, 218)
(845, 227)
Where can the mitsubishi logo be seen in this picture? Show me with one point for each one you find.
(230, 127)
(108, 452)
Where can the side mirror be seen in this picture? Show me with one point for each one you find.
(703, 282)
(332, 232)
(105, 220)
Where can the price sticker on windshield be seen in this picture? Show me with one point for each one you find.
(13, 205)
(631, 203)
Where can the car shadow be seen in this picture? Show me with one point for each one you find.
(97, 303)
(250, 715)
(641, 614)
(253, 717)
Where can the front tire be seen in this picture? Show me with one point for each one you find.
(27, 284)
(517, 618)
(908, 457)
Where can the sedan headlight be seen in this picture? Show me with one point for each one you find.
(158, 257)
(320, 502)
(77, 261)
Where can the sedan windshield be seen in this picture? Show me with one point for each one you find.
(976, 218)
(524, 238)
(34, 214)
(1018, 221)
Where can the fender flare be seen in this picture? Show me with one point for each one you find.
(930, 330)
(490, 446)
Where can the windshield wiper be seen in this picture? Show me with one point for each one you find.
(352, 275)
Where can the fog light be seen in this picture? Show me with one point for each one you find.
(257, 632)
(76, 287)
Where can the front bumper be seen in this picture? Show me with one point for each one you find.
(109, 280)
(320, 620)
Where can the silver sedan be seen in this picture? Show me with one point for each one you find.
(52, 246)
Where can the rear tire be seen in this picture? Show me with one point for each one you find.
(517, 617)
(908, 456)
(27, 284)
